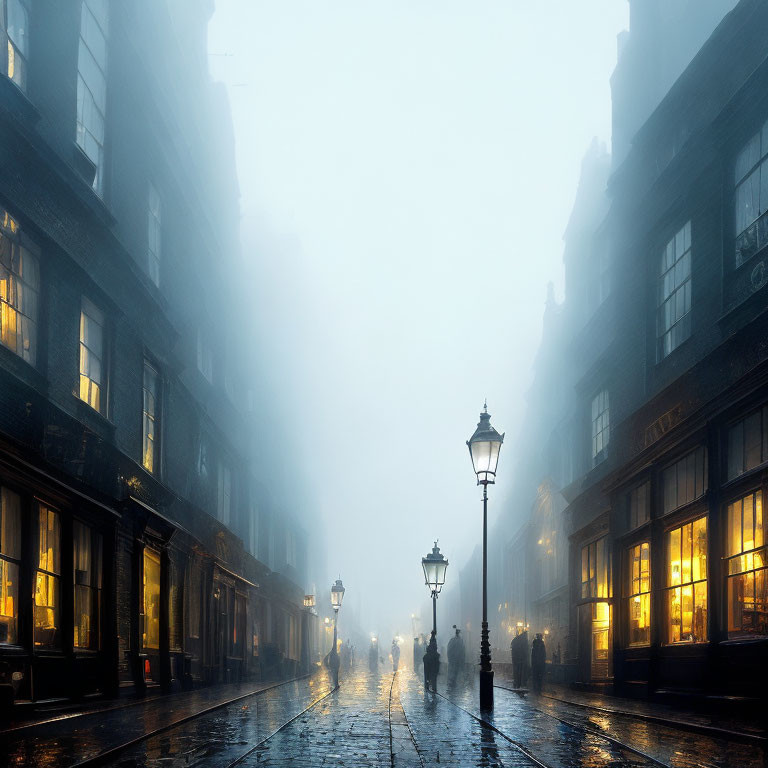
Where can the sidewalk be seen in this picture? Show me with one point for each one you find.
(752, 724)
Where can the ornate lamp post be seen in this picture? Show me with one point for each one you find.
(484, 447)
(434, 565)
(337, 595)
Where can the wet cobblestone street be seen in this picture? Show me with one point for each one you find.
(371, 720)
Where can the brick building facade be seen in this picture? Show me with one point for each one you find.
(141, 544)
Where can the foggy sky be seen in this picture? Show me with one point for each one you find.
(407, 169)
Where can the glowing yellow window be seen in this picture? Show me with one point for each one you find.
(48, 578)
(151, 631)
(747, 578)
(92, 373)
(639, 594)
(686, 592)
(10, 561)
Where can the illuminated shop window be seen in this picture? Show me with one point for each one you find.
(685, 481)
(639, 594)
(48, 579)
(747, 582)
(86, 557)
(92, 85)
(19, 290)
(10, 561)
(748, 443)
(150, 419)
(673, 319)
(601, 427)
(14, 17)
(92, 369)
(686, 593)
(596, 569)
(751, 196)
(151, 583)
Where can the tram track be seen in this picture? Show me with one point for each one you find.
(111, 753)
(575, 726)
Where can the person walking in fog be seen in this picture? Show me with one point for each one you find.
(431, 664)
(519, 648)
(395, 655)
(538, 662)
(456, 654)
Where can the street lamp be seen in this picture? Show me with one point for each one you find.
(484, 447)
(337, 595)
(434, 565)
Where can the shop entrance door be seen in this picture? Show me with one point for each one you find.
(595, 641)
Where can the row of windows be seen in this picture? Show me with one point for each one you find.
(90, 125)
(683, 581)
(46, 600)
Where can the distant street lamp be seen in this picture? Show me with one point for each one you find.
(484, 447)
(434, 565)
(337, 595)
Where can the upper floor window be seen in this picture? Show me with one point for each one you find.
(639, 506)
(751, 196)
(685, 481)
(225, 494)
(15, 22)
(154, 234)
(19, 290)
(673, 319)
(601, 427)
(92, 84)
(596, 569)
(686, 592)
(748, 443)
(150, 418)
(747, 574)
(92, 371)
(204, 355)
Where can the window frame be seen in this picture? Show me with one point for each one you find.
(95, 312)
(21, 249)
(748, 556)
(83, 131)
(757, 239)
(600, 423)
(13, 47)
(95, 587)
(51, 576)
(156, 418)
(630, 593)
(587, 592)
(16, 562)
(693, 452)
(681, 244)
(668, 588)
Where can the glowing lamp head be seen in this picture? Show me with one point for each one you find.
(337, 594)
(484, 447)
(309, 601)
(434, 565)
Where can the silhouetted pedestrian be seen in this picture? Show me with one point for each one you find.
(538, 662)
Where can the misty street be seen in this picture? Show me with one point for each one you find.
(383, 383)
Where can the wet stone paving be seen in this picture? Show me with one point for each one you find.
(372, 719)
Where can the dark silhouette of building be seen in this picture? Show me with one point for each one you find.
(648, 413)
(140, 541)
